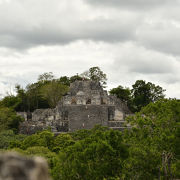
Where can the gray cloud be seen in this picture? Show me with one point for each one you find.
(150, 68)
(134, 4)
(151, 65)
(57, 23)
(26, 25)
(97, 30)
(161, 36)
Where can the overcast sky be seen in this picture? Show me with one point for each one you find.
(127, 39)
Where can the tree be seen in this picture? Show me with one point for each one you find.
(154, 142)
(9, 119)
(95, 74)
(39, 95)
(44, 138)
(51, 157)
(30, 98)
(124, 94)
(34, 96)
(21, 94)
(47, 76)
(8, 137)
(143, 93)
(10, 101)
(62, 141)
(75, 77)
(98, 156)
(53, 92)
(64, 80)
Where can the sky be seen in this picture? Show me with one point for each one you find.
(128, 39)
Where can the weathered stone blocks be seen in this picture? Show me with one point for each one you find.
(85, 105)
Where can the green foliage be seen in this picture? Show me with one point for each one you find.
(140, 95)
(47, 76)
(80, 134)
(35, 99)
(98, 156)
(75, 78)
(51, 157)
(9, 119)
(154, 142)
(10, 101)
(23, 99)
(123, 93)
(39, 144)
(95, 74)
(92, 154)
(143, 93)
(64, 80)
(62, 141)
(53, 92)
(30, 98)
(7, 137)
(43, 94)
(44, 138)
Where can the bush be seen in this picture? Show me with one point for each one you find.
(9, 119)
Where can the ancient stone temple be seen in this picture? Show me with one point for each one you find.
(85, 105)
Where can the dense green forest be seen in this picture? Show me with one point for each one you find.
(149, 150)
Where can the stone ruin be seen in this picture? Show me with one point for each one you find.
(16, 167)
(85, 105)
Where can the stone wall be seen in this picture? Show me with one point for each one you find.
(40, 119)
(89, 116)
(85, 105)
